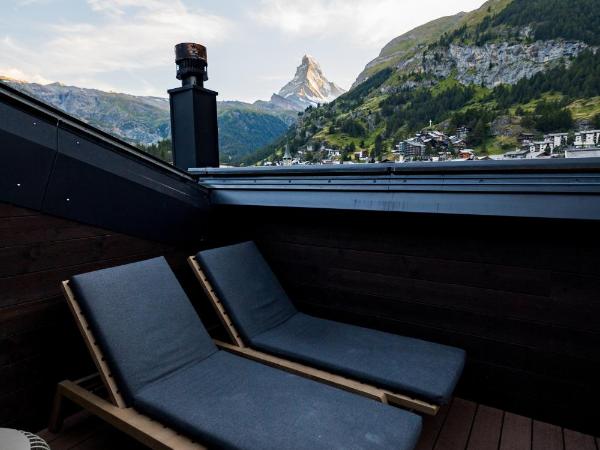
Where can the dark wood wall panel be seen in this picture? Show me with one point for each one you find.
(521, 296)
(39, 343)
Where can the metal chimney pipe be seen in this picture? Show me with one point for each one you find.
(192, 64)
(194, 129)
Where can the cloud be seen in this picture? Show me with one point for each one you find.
(18, 74)
(126, 35)
(25, 3)
(366, 23)
(120, 7)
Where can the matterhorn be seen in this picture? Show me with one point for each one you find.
(308, 88)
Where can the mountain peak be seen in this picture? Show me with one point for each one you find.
(309, 86)
(309, 59)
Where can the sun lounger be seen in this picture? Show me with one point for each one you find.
(171, 387)
(264, 325)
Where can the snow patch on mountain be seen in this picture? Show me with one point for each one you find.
(308, 87)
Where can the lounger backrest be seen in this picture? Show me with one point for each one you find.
(143, 321)
(247, 286)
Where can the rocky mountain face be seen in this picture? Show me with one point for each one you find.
(309, 87)
(510, 66)
(490, 64)
(500, 43)
(243, 127)
(404, 47)
(497, 63)
(143, 120)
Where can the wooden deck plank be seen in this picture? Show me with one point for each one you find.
(431, 428)
(487, 426)
(457, 427)
(575, 440)
(516, 433)
(546, 437)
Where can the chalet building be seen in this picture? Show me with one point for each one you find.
(558, 139)
(413, 148)
(525, 137)
(588, 138)
(436, 140)
(458, 142)
(332, 152)
(361, 155)
(466, 154)
(517, 154)
(545, 145)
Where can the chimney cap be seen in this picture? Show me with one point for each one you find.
(192, 63)
(190, 50)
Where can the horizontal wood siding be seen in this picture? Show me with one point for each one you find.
(39, 343)
(521, 296)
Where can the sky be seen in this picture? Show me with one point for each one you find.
(254, 46)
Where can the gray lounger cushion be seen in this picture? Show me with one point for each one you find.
(228, 401)
(172, 371)
(424, 369)
(245, 282)
(143, 320)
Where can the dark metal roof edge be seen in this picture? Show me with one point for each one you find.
(498, 204)
(79, 126)
(468, 167)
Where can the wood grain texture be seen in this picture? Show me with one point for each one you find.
(522, 303)
(349, 384)
(93, 347)
(39, 343)
(487, 427)
(457, 427)
(546, 436)
(516, 432)
(218, 306)
(149, 432)
(578, 441)
(431, 428)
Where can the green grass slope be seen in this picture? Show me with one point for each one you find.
(393, 103)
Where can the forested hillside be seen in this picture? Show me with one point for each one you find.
(510, 67)
(145, 121)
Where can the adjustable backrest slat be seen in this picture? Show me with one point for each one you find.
(217, 304)
(92, 345)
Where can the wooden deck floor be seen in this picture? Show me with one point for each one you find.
(463, 425)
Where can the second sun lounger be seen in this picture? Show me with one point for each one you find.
(160, 365)
(257, 313)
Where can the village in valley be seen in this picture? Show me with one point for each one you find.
(433, 145)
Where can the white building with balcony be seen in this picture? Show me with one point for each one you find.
(589, 138)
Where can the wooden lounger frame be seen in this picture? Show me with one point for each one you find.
(241, 349)
(114, 411)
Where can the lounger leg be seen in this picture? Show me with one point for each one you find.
(56, 416)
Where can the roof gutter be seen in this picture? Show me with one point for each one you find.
(542, 189)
